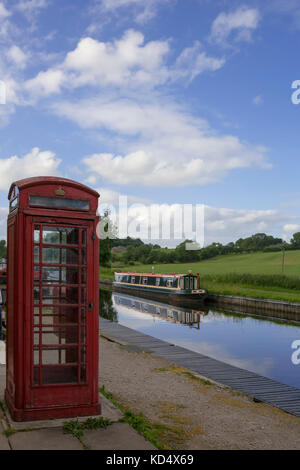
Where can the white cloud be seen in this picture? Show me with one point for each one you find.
(243, 22)
(17, 56)
(258, 100)
(128, 63)
(140, 10)
(4, 13)
(35, 163)
(171, 147)
(28, 6)
(291, 228)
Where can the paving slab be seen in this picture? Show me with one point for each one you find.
(44, 439)
(4, 444)
(118, 436)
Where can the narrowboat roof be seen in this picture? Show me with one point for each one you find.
(133, 273)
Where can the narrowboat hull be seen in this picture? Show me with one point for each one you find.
(175, 297)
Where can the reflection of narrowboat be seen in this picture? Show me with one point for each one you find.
(179, 289)
(163, 311)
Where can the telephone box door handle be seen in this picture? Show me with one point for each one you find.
(91, 306)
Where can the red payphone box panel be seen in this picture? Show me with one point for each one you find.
(52, 300)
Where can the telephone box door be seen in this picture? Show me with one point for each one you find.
(61, 350)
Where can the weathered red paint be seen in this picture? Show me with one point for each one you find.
(52, 279)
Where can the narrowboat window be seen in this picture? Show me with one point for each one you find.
(170, 282)
(181, 283)
(59, 203)
(132, 279)
(157, 281)
(145, 280)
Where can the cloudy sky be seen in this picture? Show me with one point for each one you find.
(166, 101)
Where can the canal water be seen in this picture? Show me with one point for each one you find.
(254, 343)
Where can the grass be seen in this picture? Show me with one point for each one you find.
(77, 428)
(255, 275)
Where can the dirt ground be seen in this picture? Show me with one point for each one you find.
(197, 415)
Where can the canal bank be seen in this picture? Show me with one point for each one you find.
(277, 309)
(186, 411)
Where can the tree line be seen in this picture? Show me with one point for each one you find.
(139, 252)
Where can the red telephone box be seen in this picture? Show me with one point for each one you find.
(52, 300)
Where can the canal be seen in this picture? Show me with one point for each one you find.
(256, 344)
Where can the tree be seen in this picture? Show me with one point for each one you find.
(106, 242)
(295, 241)
(2, 249)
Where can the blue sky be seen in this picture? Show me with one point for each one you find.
(166, 101)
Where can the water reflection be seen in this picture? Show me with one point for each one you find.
(163, 311)
(253, 343)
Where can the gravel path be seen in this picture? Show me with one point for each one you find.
(198, 415)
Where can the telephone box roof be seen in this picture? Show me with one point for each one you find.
(38, 180)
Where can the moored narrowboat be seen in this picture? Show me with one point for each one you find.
(179, 289)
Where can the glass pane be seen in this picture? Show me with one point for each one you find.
(36, 254)
(59, 295)
(83, 373)
(56, 202)
(36, 336)
(36, 295)
(36, 315)
(36, 274)
(37, 234)
(60, 255)
(62, 235)
(62, 335)
(83, 237)
(60, 275)
(59, 375)
(59, 315)
(60, 355)
(83, 260)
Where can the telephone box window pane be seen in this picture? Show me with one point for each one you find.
(61, 235)
(59, 315)
(60, 255)
(60, 275)
(36, 376)
(59, 375)
(36, 234)
(36, 274)
(83, 355)
(56, 336)
(83, 335)
(83, 374)
(83, 237)
(59, 203)
(36, 336)
(60, 355)
(83, 295)
(36, 254)
(83, 276)
(83, 315)
(61, 295)
(36, 295)
(36, 315)
(83, 251)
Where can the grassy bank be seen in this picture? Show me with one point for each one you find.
(255, 275)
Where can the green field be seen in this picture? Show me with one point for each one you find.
(260, 264)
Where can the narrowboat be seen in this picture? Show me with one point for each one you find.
(178, 289)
